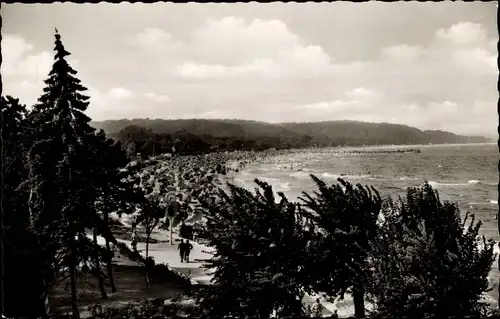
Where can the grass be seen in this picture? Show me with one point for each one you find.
(129, 276)
(130, 284)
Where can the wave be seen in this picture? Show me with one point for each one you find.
(284, 185)
(475, 181)
(491, 201)
(301, 175)
(470, 182)
(336, 176)
(437, 184)
(406, 178)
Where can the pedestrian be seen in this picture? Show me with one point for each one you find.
(189, 247)
(317, 309)
(182, 250)
(134, 240)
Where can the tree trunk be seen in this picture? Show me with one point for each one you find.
(97, 268)
(170, 226)
(74, 296)
(109, 261)
(44, 299)
(358, 296)
(146, 263)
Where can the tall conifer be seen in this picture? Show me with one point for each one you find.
(62, 191)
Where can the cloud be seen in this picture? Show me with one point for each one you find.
(403, 52)
(23, 70)
(14, 46)
(18, 60)
(477, 60)
(119, 93)
(157, 97)
(234, 48)
(153, 40)
(119, 103)
(423, 83)
(357, 100)
(109, 96)
(463, 33)
(234, 40)
(476, 118)
(191, 70)
(362, 94)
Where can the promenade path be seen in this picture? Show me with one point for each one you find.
(164, 252)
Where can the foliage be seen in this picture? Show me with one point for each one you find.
(346, 221)
(146, 309)
(133, 310)
(427, 261)
(259, 244)
(66, 175)
(21, 262)
(224, 135)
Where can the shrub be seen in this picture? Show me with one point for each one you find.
(145, 309)
(259, 246)
(427, 261)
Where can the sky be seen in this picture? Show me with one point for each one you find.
(432, 65)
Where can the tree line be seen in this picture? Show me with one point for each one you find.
(223, 135)
(139, 140)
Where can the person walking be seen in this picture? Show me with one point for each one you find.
(188, 248)
(134, 239)
(317, 309)
(182, 250)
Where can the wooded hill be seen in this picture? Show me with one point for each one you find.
(242, 134)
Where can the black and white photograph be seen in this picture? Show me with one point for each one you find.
(250, 160)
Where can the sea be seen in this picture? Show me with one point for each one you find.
(463, 173)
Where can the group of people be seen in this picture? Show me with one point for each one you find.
(184, 250)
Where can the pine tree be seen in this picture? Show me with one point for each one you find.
(427, 261)
(62, 183)
(346, 220)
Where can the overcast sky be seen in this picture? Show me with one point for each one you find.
(429, 65)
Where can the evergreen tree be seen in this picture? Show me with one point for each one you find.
(427, 262)
(259, 245)
(21, 276)
(63, 191)
(346, 220)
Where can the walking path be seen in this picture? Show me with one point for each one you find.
(163, 252)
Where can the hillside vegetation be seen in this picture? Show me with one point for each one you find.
(162, 134)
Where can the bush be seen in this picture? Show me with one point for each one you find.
(165, 272)
(144, 309)
(259, 246)
(427, 262)
(133, 310)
